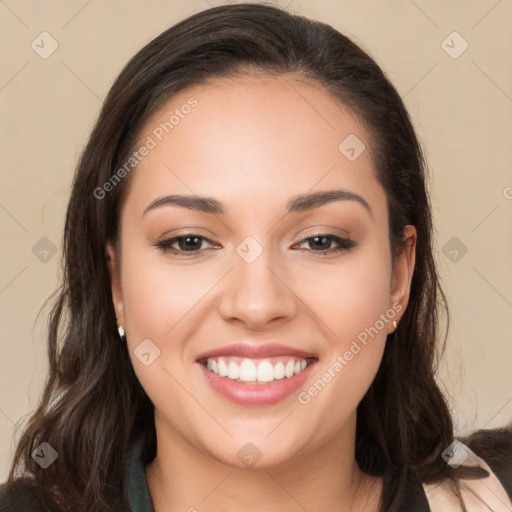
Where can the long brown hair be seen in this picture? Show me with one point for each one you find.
(93, 408)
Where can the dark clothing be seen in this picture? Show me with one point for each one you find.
(138, 496)
(136, 492)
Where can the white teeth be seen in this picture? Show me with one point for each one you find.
(223, 368)
(279, 370)
(247, 371)
(289, 369)
(233, 370)
(265, 372)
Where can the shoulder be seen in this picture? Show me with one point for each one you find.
(495, 448)
(490, 450)
(21, 496)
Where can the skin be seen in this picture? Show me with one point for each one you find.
(253, 143)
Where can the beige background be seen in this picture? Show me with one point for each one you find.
(461, 107)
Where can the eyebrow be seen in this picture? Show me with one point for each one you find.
(299, 203)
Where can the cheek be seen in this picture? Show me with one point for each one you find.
(348, 296)
(159, 301)
(163, 303)
(158, 295)
(352, 299)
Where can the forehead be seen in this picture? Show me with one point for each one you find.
(250, 135)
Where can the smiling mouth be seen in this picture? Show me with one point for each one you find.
(256, 371)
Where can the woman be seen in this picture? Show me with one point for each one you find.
(249, 313)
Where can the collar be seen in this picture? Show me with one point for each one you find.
(137, 491)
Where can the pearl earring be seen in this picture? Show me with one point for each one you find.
(394, 324)
(121, 332)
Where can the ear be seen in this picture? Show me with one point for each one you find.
(402, 272)
(115, 282)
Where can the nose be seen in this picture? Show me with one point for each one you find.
(257, 294)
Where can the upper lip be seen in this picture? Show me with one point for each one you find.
(255, 351)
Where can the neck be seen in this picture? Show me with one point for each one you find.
(182, 478)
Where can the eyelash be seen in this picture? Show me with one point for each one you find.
(344, 244)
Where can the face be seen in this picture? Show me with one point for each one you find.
(259, 265)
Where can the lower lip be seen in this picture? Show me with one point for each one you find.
(257, 394)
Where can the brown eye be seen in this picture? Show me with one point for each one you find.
(323, 241)
(187, 243)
